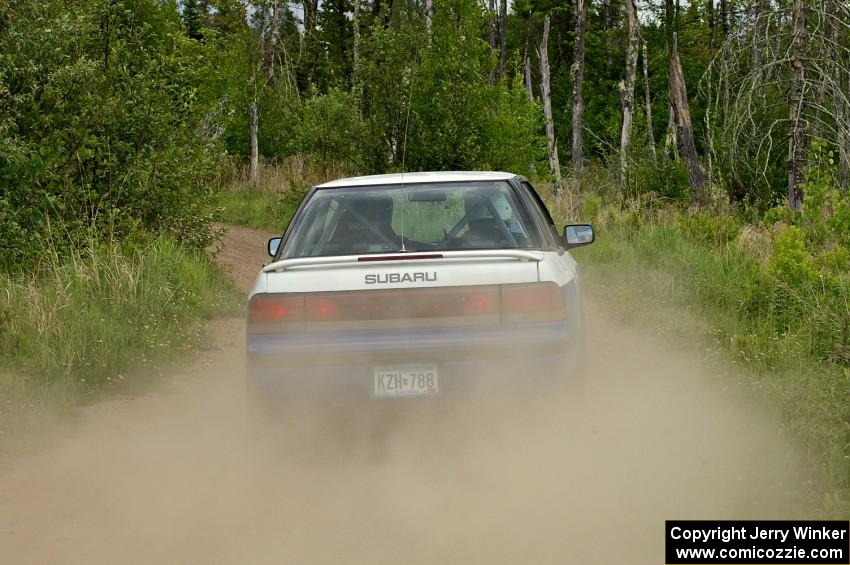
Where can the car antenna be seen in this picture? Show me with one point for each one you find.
(404, 152)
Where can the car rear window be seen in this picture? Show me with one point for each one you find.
(418, 217)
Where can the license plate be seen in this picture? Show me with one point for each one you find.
(405, 380)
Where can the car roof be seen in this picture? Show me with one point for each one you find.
(412, 178)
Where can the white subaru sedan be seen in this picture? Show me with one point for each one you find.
(417, 285)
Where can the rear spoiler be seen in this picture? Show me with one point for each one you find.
(518, 254)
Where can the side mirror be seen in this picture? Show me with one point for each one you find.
(576, 235)
(273, 245)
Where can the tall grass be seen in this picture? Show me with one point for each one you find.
(294, 172)
(271, 202)
(81, 324)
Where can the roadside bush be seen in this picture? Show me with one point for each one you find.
(98, 134)
(330, 128)
(711, 228)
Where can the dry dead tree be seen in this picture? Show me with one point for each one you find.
(778, 82)
(684, 127)
(546, 95)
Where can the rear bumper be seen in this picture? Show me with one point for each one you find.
(331, 363)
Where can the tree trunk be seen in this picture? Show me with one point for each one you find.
(429, 12)
(669, 17)
(503, 37)
(795, 102)
(712, 26)
(526, 61)
(273, 41)
(684, 128)
(388, 14)
(310, 9)
(255, 152)
(844, 140)
(491, 34)
(841, 109)
(355, 27)
(627, 88)
(724, 15)
(709, 134)
(650, 135)
(671, 150)
(606, 22)
(578, 80)
(844, 148)
(546, 94)
(759, 12)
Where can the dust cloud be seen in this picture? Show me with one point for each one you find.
(184, 474)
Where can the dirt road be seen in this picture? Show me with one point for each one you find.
(173, 476)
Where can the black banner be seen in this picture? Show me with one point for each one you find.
(744, 542)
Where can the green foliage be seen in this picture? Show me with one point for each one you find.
(711, 228)
(98, 136)
(449, 93)
(330, 130)
(791, 263)
(425, 103)
(512, 132)
(826, 212)
(667, 180)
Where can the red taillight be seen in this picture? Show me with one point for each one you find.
(323, 309)
(534, 302)
(481, 303)
(510, 303)
(402, 304)
(276, 309)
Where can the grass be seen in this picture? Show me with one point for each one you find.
(260, 210)
(270, 203)
(86, 324)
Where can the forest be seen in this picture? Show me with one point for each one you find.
(135, 113)
(708, 140)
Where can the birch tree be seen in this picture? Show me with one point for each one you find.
(546, 95)
(355, 27)
(254, 171)
(578, 80)
(627, 88)
(526, 61)
(491, 33)
(650, 135)
(311, 7)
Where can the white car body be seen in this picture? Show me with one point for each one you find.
(360, 351)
